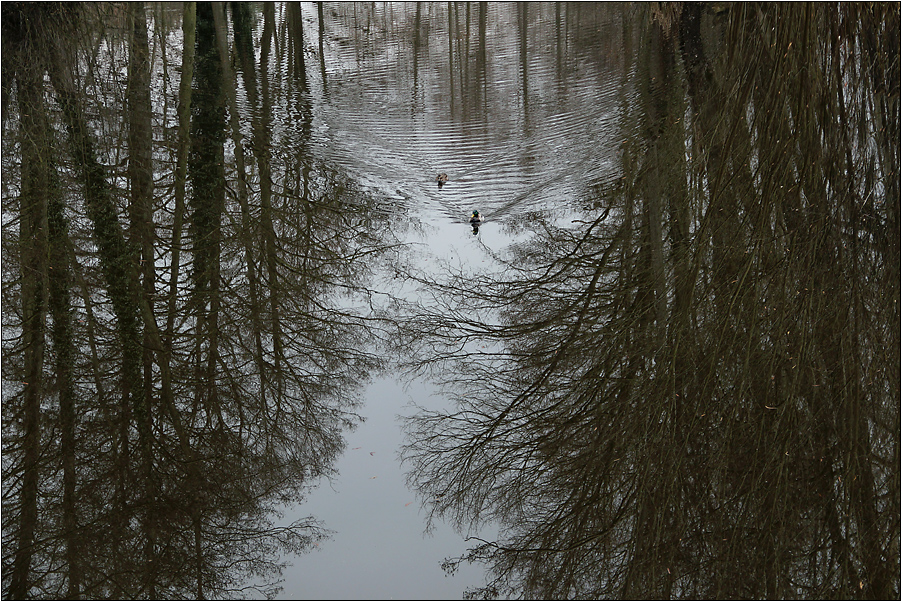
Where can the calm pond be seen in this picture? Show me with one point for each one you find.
(256, 344)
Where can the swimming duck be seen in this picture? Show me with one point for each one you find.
(476, 218)
(442, 179)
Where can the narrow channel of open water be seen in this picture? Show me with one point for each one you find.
(527, 125)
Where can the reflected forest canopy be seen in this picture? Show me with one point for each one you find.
(183, 347)
(689, 376)
(692, 390)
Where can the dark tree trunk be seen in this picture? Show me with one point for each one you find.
(141, 236)
(37, 184)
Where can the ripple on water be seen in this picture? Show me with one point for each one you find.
(505, 152)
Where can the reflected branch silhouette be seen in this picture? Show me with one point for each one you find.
(151, 461)
(682, 380)
(672, 398)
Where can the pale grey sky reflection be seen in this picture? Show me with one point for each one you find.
(379, 550)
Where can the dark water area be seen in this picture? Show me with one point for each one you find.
(254, 345)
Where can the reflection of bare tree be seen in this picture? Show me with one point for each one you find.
(155, 438)
(695, 393)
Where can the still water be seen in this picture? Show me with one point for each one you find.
(513, 138)
(252, 342)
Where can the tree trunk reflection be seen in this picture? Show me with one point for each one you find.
(236, 383)
(684, 381)
(691, 393)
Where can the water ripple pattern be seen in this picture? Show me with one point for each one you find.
(518, 122)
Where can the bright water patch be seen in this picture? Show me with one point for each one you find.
(514, 132)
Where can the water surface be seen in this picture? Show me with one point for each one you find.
(256, 344)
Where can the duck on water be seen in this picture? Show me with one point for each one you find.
(476, 218)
